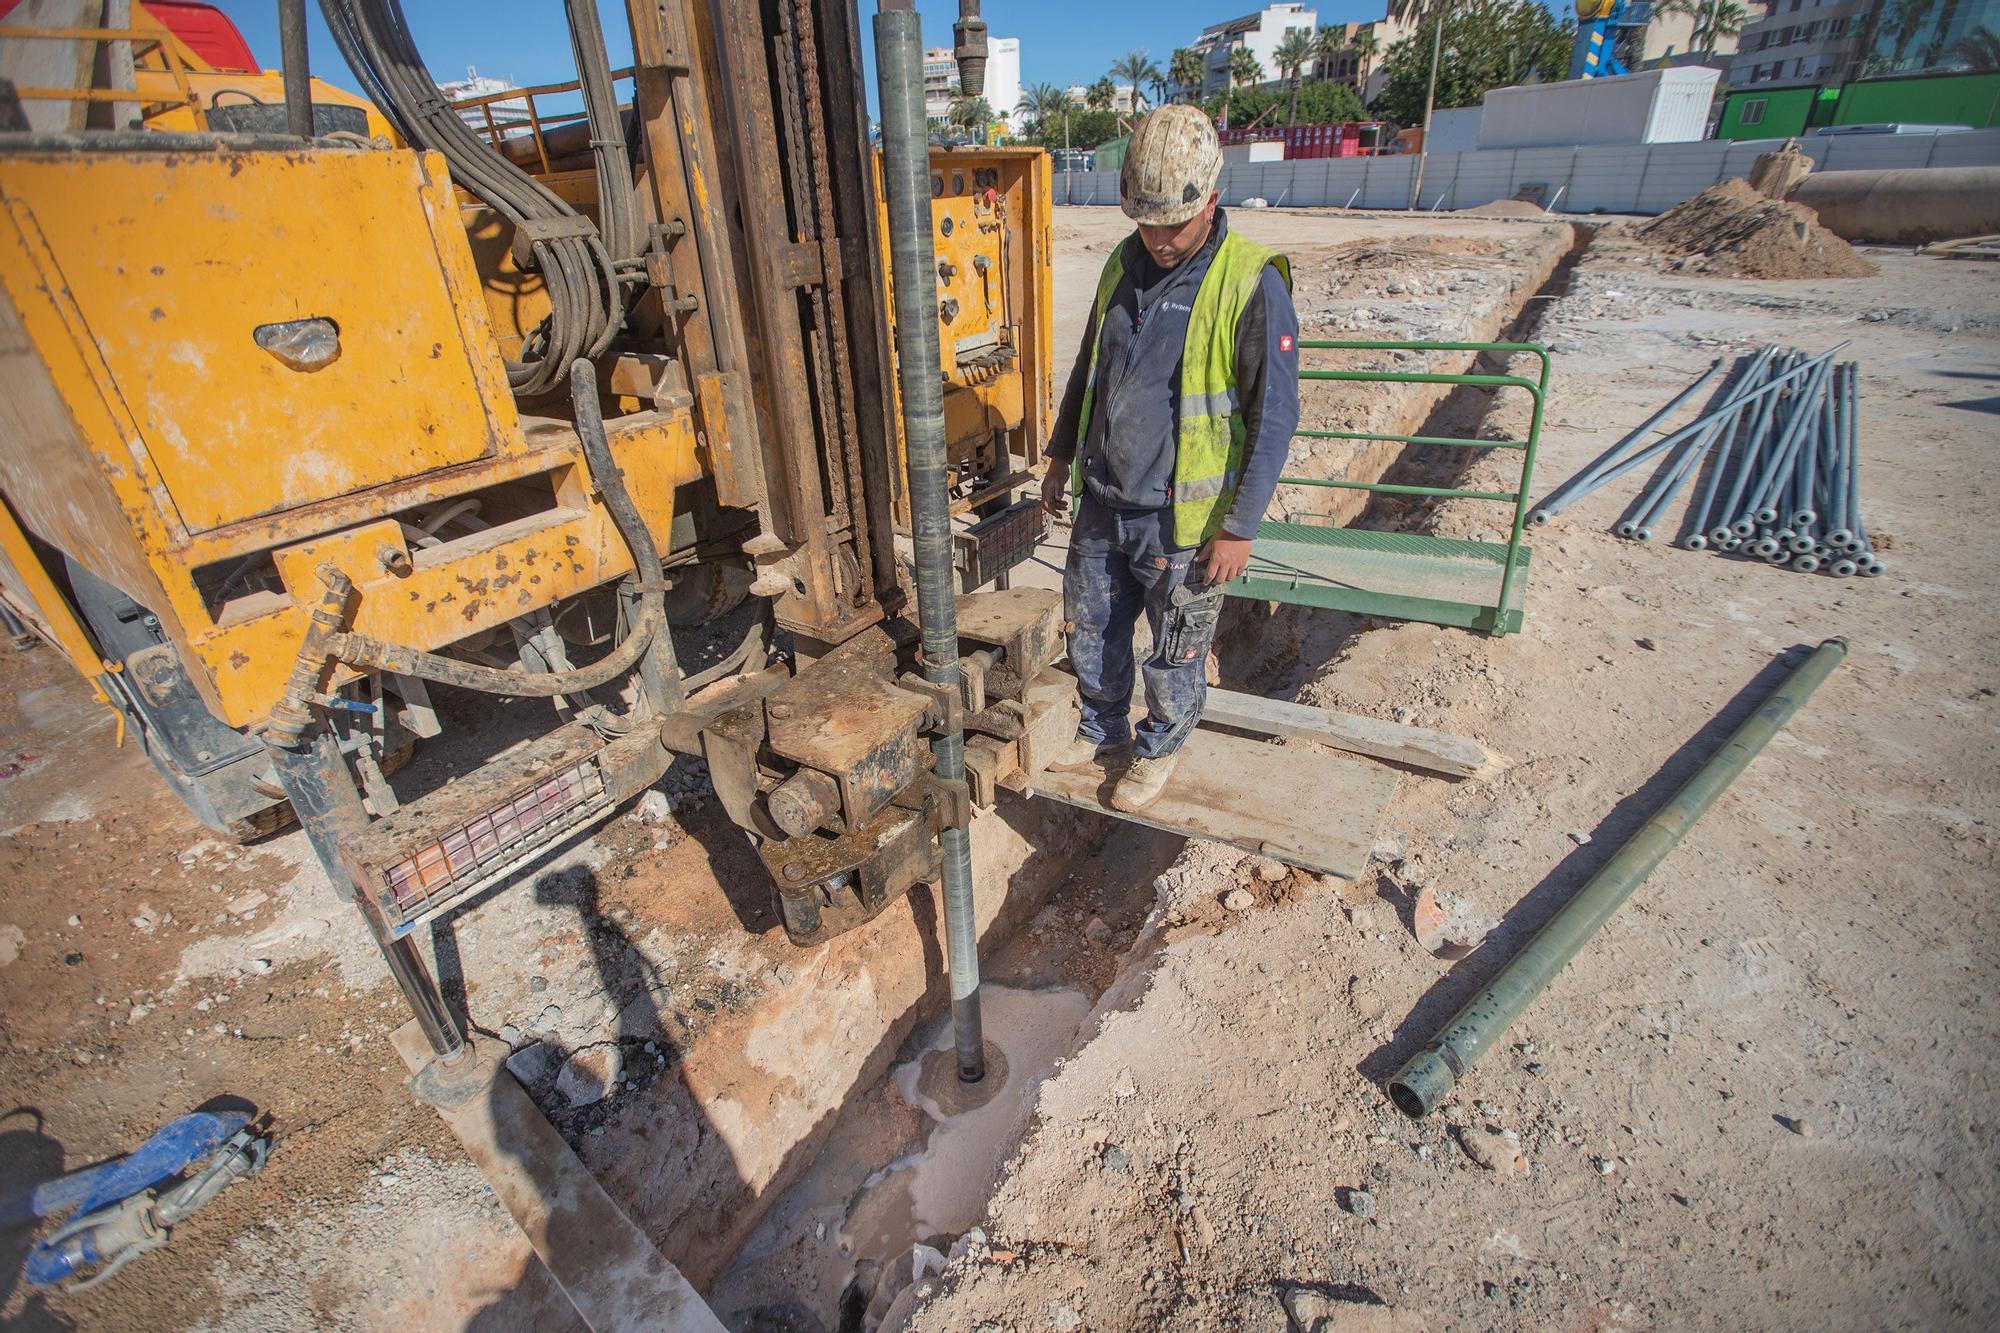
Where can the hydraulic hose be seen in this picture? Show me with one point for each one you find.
(585, 298)
(617, 211)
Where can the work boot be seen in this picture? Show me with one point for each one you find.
(1084, 753)
(1144, 781)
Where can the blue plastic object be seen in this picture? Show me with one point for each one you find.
(177, 1146)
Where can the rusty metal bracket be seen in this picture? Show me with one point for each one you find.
(530, 232)
(948, 801)
(988, 763)
(947, 705)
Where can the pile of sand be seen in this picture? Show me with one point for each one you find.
(1506, 208)
(1732, 230)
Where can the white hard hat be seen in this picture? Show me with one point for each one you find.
(1171, 166)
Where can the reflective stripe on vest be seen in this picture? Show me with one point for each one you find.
(1208, 445)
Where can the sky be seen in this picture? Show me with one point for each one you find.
(526, 42)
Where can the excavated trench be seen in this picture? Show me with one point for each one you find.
(903, 1166)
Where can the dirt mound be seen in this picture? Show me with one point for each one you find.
(1732, 230)
(1505, 208)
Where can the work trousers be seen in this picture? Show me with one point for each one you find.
(1122, 562)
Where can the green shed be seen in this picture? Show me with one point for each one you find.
(1774, 112)
(1968, 98)
(1111, 156)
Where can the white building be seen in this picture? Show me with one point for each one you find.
(940, 83)
(1124, 97)
(1003, 79)
(1258, 33)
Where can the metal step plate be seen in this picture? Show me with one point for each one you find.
(1397, 575)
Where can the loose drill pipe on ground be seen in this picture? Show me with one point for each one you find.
(1698, 537)
(906, 177)
(1770, 497)
(1735, 404)
(1426, 1079)
(1662, 492)
(1588, 480)
(1726, 529)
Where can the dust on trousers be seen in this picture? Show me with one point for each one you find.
(1121, 563)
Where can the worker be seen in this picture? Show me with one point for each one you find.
(1173, 432)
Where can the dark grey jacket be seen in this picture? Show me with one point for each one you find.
(1128, 459)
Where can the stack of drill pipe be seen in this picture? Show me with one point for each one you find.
(1782, 484)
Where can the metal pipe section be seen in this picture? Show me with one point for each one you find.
(1698, 537)
(297, 68)
(1428, 1077)
(1726, 533)
(899, 65)
(969, 47)
(1558, 499)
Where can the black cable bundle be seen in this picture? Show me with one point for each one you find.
(586, 301)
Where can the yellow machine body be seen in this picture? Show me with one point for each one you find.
(990, 213)
(148, 435)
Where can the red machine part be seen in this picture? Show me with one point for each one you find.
(1351, 139)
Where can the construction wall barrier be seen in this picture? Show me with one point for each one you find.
(1636, 178)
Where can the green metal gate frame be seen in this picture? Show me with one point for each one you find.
(1283, 560)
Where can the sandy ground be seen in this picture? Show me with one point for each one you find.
(1760, 1098)
(1817, 950)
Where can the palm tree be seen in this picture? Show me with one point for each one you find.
(1713, 20)
(1043, 104)
(1979, 50)
(1294, 53)
(1244, 67)
(1365, 45)
(1186, 70)
(1327, 46)
(1136, 69)
(1722, 18)
(1906, 19)
(970, 113)
(1099, 95)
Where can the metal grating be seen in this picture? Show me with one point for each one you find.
(466, 857)
(1398, 574)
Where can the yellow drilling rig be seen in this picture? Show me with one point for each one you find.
(316, 402)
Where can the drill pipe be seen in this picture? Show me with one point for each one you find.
(906, 176)
(1698, 536)
(1725, 529)
(1429, 1076)
(1588, 479)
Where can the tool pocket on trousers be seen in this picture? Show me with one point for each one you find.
(1191, 618)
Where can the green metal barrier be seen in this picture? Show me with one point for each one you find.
(1400, 575)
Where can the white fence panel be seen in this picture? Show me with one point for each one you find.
(1981, 148)
(1598, 178)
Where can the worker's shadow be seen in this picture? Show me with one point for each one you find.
(733, 863)
(29, 1157)
(1450, 992)
(639, 990)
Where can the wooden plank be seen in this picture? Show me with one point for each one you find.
(1317, 811)
(1419, 747)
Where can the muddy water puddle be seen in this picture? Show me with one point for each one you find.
(846, 1231)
